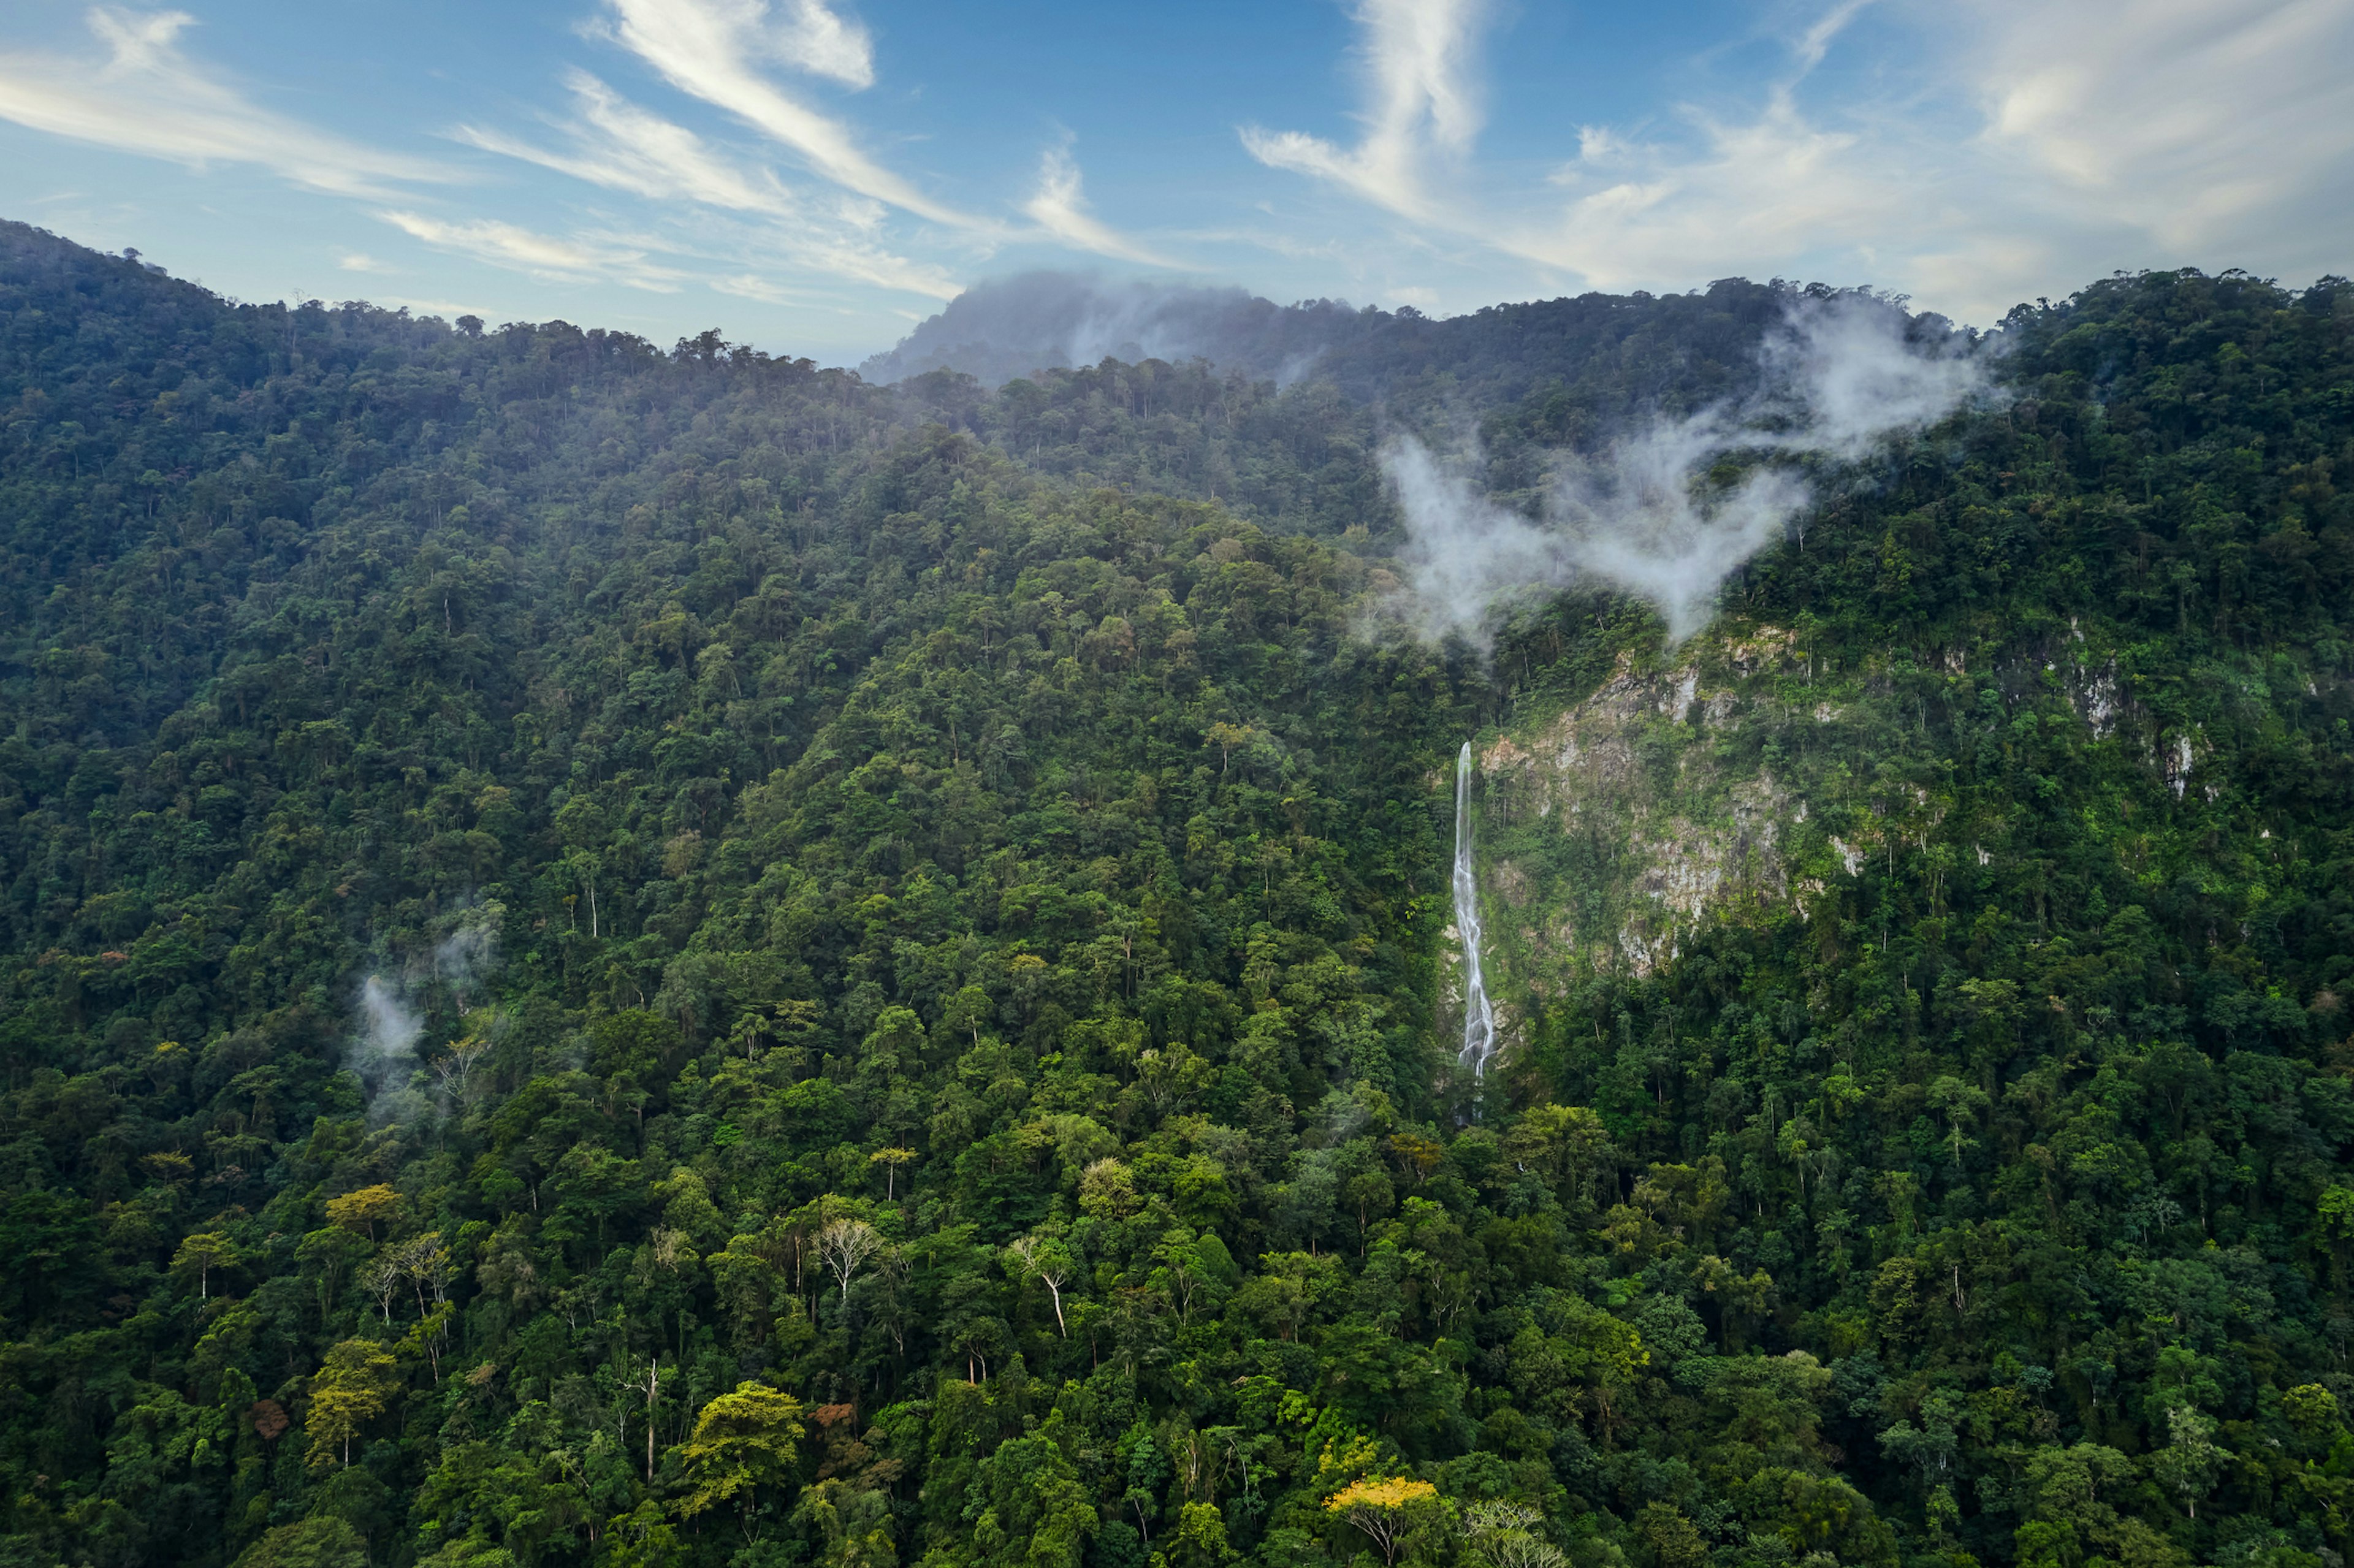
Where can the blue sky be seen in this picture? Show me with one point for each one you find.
(814, 176)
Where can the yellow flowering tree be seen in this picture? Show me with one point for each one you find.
(1385, 1508)
(743, 1442)
(353, 1389)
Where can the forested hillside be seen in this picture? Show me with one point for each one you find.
(1577, 348)
(620, 956)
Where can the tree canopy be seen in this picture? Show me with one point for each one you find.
(622, 956)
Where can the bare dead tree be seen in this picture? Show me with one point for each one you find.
(845, 1246)
(1051, 1265)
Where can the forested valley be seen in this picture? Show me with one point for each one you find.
(624, 955)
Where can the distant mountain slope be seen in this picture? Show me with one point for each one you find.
(1016, 326)
(1008, 327)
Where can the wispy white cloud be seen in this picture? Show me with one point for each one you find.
(617, 145)
(2186, 119)
(1739, 191)
(1423, 98)
(448, 309)
(2048, 140)
(1743, 193)
(850, 263)
(145, 95)
(1631, 212)
(1815, 40)
(823, 42)
(767, 291)
(847, 249)
(702, 212)
(713, 50)
(542, 256)
(1060, 209)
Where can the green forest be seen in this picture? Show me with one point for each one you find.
(634, 955)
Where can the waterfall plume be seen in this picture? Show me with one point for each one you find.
(1478, 1014)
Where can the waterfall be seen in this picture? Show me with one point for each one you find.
(1478, 1015)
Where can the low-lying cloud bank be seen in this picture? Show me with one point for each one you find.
(1647, 513)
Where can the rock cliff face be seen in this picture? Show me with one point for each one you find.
(1738, 778)
(1613, 828)
(1733, 778)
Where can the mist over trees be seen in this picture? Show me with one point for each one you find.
(634, 956)
(1672, 349)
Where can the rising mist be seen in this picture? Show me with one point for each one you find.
(390, 1012)
(1671, 509)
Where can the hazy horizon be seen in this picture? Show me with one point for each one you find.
(820, 177)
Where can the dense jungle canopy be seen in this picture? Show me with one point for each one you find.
(620, 956)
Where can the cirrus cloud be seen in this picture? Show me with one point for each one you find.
(545, 256)
(713, 50)
(146, 95)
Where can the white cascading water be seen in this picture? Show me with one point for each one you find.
(1478, 1015)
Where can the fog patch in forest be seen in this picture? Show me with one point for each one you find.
(1670, 511)
(462, 958)
(384, 1045)
(389, 1014)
